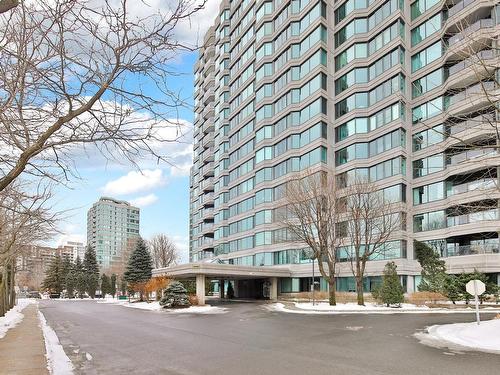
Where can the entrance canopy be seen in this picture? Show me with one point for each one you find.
(221, 271)
(202, 271)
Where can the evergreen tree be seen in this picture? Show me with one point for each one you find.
(71, 280)
(80, 277)
(434, 276)
(454, 288)
(123, 286)
(175, 296)
(230, 290)
(54, 281)
(105, 285)
(391, 291)
(65, 269)
(91, 271)
(139, 266)
(112, 285)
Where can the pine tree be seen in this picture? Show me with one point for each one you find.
(112, 285)
(91, 271)
(71, 280)
(105, 285)
(54, 281)
(65, 269)
(391, 291)
(139, 267)
(80, 278)
(175, 296)
(434, 276)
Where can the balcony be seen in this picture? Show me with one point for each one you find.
(471, 39)
(208, 141)
(476, 123)
(469, 155)
(208, 184)
(207, 243)
(208, 155)
(478, 67)
(207, 170)
(474, 217)
(208, 199)
(474, 98)
(486, 184)
(208, 96)
(473, 250)
(208, 127)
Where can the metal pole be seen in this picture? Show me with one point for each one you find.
(313, 283)
(477, 302)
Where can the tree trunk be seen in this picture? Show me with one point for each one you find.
(331, 291)
(359, 290)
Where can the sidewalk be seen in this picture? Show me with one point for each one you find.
(22, 350)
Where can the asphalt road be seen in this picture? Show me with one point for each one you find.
(251, 340)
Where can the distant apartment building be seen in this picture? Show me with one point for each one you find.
(386, 89)
(73, 249)
(112, 226)
(34, 261)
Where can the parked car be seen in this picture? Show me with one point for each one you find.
(34, 294)
(55, 295)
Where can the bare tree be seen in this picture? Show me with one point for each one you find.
(368, 223)
(25, 218)
(86, 77)
(163, 251)
(311, 218)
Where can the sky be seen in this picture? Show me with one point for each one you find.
(160, 190)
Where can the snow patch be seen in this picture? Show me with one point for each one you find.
(13, 317)
(206, 309)
(58, 362)
(88, 356)
(483, 337)
(369, 308)
(354, 328)
(152, 306)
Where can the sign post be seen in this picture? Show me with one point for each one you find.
(476, 288)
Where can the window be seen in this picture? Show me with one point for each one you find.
(426, 29)
(428, 165)
(430, 109)
(428, 137)
(428, 82)
(429, 193)
(429, 221)
(426, 56)
(420, 6)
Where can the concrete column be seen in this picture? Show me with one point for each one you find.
(235, 288)
(410, 282)
(221, 288)
(200, 289)
(273, 292)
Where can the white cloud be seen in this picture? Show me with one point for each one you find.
(144, 201)
(134, 182)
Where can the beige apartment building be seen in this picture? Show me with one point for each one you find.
(402, 92)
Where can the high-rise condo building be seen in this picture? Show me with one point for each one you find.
(111, 226)
(404, 93)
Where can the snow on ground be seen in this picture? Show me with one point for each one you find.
(207, 309)
(155, 306)
(370, 308)
(58, 362)
(14, 316)
(483, 337)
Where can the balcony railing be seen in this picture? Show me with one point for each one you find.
(469, 155)
(486, 54)
(473, 217)
(472, 123)
(480, 90)
(458, 7)
(481, 24)
(485, 184)
(473, 250)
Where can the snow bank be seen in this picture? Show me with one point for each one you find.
(13, 317)
(369, 308)
(58, 362)
(152, 306)
(483, 337)
(207, 309)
